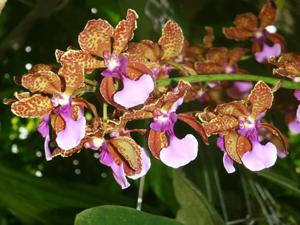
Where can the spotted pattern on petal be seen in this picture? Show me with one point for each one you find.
(81, 58)
(73, 75)
(218, 55)
(235, 108)
(96, 37)
(129, 151)
(267, 14)
(246, 21)
(123, 32)
(237, 34)
(231, 142)
(44, 81)
(208, 68)
(156, 142)
(171, 40)
(220, 124)
(36, 106)
(243, 146)
(261, 98)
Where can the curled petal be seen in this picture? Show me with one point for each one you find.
(261, 156)
(118, 170)
(228, 163)
(268, 52)
(238, 34)
(74, 130)
(146, 164)
(180, 151)
(134, 92)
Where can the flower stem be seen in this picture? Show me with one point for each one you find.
(236, 77)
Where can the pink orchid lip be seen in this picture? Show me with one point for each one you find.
(267, 52)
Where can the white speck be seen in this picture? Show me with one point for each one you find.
(6, 76)
(103, 175)
(77, 171)
(39, 154)
(75, 162)
(271, 29)
(23, 133)
(28, 49)
(28, 66)
(94, 10)
(14, 149)
(38, 173)
(96, 155)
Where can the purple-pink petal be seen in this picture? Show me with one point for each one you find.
(134, 92)
(260, 157)
(180, 151)
(298, 114)
(267, 52)
(118, 170)
(297, 95)
(294, 126)
(228, 163)
(44, 130)
(146, 164)
(164, 122)
(74, 130)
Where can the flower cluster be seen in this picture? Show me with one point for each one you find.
(128, 76)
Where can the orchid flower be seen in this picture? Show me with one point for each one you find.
(96, 38)
(60, 110)
(259, 30)
(239, 129)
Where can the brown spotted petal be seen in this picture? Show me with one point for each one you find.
(107, 90)
(261, 98)
(277, 38)
(231, 143)
(205, 116)
(146, 52)
(218, 55)
(168, 99)
(43, 81)
(129, 152)
(73, 75)
(235, 108)
(42, 67)
(191, 120)
(208, 68)
(171, 40)
(36, 106)
(247, 21)
(83, 59)
(220, 124)
(237, 34)
(57, 123)
(96, 37)
(156, 142)
(267, 14)
(123, 32)
(276, 137)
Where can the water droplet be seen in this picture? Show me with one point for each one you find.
(39, 154)
(96, 155)
(271, 29)
(103, 175)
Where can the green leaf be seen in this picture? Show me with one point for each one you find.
(118, 215)
(284, 182)
(43, 201)
(195, 209)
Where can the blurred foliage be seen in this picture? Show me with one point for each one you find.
(33, 191)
